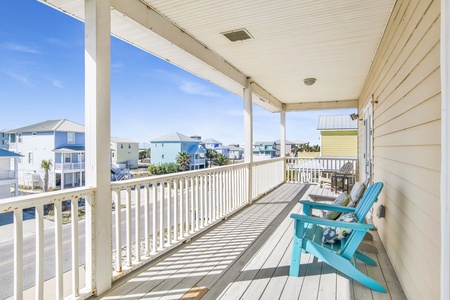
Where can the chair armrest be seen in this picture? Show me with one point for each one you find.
(322, 198)
(333, 223)
(308, 205)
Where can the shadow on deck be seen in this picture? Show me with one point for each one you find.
(247, 257)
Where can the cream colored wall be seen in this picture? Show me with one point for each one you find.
(339, 143)
(405, 80)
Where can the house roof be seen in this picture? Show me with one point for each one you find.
(277, 142)
(337, 122)
(6, 153)
(175, 137)
(234, 148)
(70, 149)
(61, 125)
(333, 41)
(122, 140)
(210, 141)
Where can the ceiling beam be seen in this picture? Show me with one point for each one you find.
(322, 105)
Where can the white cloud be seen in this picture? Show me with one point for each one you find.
(20, 77)
(57, 83)
(19, 47)
(195, 88)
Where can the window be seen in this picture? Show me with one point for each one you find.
(129, 146)
(30, 157)
(162, 144)
(12, 138)
(67, 158)
(71, 138)
(121, 146)
(162, 156)
(34, 133)
(20, 138)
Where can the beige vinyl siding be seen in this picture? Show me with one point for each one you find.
(405, 80)
(339, 143)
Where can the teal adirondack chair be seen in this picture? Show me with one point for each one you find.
(342, 256)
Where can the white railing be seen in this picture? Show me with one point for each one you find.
(310, 170)
(266, 175)
(150, 216)
(51, 250)
(8, 175)
(157, 213)
(70, 166)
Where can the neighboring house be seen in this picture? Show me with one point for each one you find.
(124, 153)
(4, 139)
(338, 136)
(210, 144)
(289, 146)
(61, 141)
(165, 149)
(264, 150)
(224, 150)
(8, 173)
(235, 152)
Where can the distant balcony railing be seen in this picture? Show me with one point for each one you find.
(310, 170)
(69, 166)
(150, 216)
(8, 175)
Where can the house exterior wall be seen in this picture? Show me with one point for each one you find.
(405, 80)
(125, 152)
(34, 148)
(61, 139)
(5, 189)
(4, 140)
(164, 152)
(339, 143)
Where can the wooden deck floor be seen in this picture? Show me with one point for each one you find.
(247, 257)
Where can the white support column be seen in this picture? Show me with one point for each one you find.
(283, 138)
(283, 131)
(445, 148)
(248, 135)
(98, 119)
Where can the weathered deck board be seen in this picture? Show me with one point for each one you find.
(248, 256)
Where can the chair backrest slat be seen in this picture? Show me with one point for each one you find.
(369, 198)
(346, 168)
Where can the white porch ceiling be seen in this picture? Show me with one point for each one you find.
(333, 41)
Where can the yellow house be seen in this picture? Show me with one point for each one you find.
(338, 136)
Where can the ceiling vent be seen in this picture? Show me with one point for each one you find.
(237, 35)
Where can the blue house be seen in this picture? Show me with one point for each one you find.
(165, 149)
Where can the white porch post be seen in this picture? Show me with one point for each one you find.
(97, 136)
(283, 138)
(248, 135)
(445, 148)
(62, 179)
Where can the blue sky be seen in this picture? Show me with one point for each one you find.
(42, 78)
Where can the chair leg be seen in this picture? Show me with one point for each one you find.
(365, 259)
(294, 269)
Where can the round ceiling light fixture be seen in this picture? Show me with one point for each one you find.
(309, 81)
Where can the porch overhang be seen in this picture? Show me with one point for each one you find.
(291, 41)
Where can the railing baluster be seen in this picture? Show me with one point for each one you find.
(137, 224)
(161, 216)
(154, 231)
(118, 229)
(128, 227)
(147, 220)
(39, 285)
(175, 210)
(57, 209)
(192, 223)
(182, 199)
(169, 211)
(75, 271)
(196, 204)
(18, 254)
(201, 200)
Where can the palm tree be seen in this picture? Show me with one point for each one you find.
(183, 160)
(210, 155)
(46, 165)
(221, 160)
